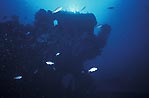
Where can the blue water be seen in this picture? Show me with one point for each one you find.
(123, 64)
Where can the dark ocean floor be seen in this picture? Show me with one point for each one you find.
(96, 95)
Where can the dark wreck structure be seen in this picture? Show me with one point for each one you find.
(25, 49)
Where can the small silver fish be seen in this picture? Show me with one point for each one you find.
(92, 69)
(27, 33)
(57, 10)
(50, 63)
(17, 77)
(57, 54)
(99, 26)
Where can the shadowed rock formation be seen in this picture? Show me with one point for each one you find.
(25, 49)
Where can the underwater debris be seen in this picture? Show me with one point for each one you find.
(17, 77)
(92, 69)
(57, 10)
(50, 63)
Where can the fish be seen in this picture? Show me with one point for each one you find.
(92, 69)
(99, 26)
(27, 33)
(57, 54)
(83, 8)
(50, 63)
(57, 10)
(111, 7)
(17, 77)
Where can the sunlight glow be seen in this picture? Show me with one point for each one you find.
(73, 9)
(97, 7)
